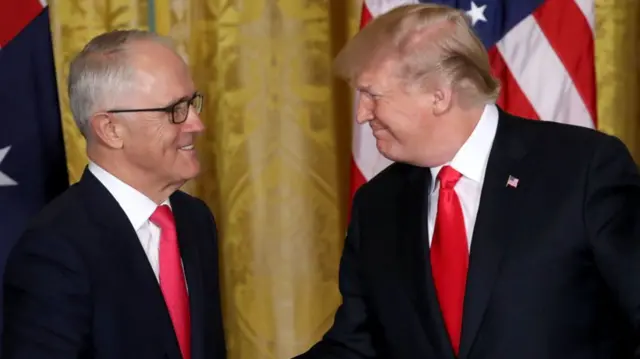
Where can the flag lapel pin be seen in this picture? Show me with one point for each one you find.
(512, 182)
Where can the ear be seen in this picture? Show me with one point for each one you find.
(442, 100)
(105, 127)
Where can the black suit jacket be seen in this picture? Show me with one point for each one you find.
(554, 269)
(79, 285)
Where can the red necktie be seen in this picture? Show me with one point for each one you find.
(172, 281)
(450, 255)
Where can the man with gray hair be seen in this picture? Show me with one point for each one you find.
(492, 236)
(123, 264)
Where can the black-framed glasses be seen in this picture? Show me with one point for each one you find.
(178, 111)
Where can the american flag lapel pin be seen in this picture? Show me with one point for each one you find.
(512, 182)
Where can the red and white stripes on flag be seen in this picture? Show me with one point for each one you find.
(545, 64)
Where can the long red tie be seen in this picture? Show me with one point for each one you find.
(172, 282)
(450, 255)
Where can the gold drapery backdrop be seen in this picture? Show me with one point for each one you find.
(617, 47)
(276, 150)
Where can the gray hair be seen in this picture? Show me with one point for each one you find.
(101, 69)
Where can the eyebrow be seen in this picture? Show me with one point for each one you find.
(367, 90)
(183, 98)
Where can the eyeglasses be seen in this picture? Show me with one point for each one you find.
(178, 111)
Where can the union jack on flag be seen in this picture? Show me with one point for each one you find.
(541, 50)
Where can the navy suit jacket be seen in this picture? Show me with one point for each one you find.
(554, 267)
(79, 285)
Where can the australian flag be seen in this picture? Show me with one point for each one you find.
(32, 160)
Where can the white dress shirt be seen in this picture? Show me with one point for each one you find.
(138, 209)
(471, 161)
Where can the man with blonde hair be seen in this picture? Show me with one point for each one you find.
(123, 264)
(492, 236)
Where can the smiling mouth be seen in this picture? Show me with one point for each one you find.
(187, 147)
(377, 126)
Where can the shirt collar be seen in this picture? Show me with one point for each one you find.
(472, 158)
(135, 205)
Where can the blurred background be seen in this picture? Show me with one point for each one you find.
(277, 153)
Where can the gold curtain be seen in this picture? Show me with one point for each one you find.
(618, 71)
(276, 150)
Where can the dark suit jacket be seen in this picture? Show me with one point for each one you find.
(79, 285)
(554, 269)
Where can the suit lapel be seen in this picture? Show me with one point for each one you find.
(497, 213)
(187, 238)
(120, 243)
(414, 244)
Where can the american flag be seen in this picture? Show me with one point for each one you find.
(541, 50)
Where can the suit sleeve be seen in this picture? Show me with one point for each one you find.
(612, 218)
(46, 300)
(350, 336)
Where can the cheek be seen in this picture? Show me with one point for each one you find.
(164, 139)
(400, 120)
(156, 145)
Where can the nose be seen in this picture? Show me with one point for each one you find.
(193, 122)
(364, 110)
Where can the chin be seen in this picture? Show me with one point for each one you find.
(386, 150)
(393, 153)
(193, 173)
(190, 171)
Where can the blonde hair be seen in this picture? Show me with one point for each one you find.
(424, 41)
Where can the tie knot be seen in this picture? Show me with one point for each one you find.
(448, 177)
(163, 218)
